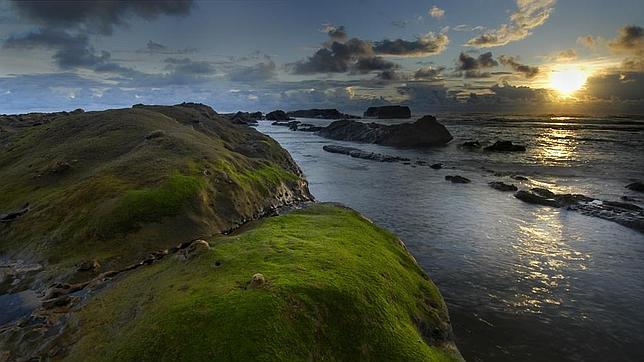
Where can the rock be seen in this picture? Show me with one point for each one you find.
(291, 125)
(320, 113)
(471, 144)
(246, 118)
(257, 280)
(278, 115)
(502, 186)
(197, 247)
(155, 134)
(505, 146)
(533, 198)
(455, 179)
(358, 153)
(543, 192)
(436, 166)
(386, 112)
(89, 265)
(636, 186)
(520, 178)
(13, 215)
(425, 132)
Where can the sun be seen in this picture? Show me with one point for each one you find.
(567, 81)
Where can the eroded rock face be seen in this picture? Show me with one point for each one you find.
(425, 132)
(386, 112)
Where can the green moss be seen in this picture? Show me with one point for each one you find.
(151, 204)
(339, 288)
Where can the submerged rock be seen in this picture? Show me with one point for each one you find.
(505, 146)
(386, 112)
(358, 153)
(436, 166)
(636, 186)
(502, 186)
(455, 179)
(425, 132)
(471, 144)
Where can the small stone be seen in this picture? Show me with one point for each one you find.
(89, 265)
(257, 280)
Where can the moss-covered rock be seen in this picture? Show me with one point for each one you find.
(333, 287)
(116, 184)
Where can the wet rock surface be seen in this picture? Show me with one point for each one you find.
(505, 146)
(456, 179)
(502, 186)
(358, 153)
(636, 186)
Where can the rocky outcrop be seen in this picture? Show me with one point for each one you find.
(278, 115)
(327, 113)
(505, 146)
(629, 215)
(386, 112)
(502, 186)
(358, 153)
(425, 132)
(456, 179)
(246, 118)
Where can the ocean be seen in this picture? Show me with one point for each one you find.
(521, 281)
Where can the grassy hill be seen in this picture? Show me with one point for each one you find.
(131, 190)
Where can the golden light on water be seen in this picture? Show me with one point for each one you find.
(567, 81)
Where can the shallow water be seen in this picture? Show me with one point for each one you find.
(522, 282)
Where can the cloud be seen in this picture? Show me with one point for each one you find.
(259, 72)
(512, 62)
(188, 66)
(95, 16)
(588, 41)
(563, 56)
(529, 15)
(436, 12)
(428, 44)
(369, 64)
(153, 47)
(71, 51)
(629, 40)
(616, 86)
(400, 23)
(470, 67)
(428, 73)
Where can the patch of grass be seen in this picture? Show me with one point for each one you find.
(338, 288)
(151, 204)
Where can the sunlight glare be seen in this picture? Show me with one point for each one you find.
(568, 81)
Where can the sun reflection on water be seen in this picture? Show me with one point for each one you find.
(545, 258)
(557, 147)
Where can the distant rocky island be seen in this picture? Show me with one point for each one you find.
(177, 233)
(320, 113)
(388, 112)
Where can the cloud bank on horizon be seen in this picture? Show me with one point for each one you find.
(443, 56)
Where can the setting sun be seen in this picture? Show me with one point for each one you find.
(567, 81)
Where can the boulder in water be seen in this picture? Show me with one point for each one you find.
(502, 186)
(505, 146)
(386, 112)
(455, 179)
(278, 115)
(636, 186)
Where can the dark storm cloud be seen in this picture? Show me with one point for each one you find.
(630, 39)
(526, 70)
(71, 51)
(336, 33)
(428, 44)
(259, 72)
(95, 16)
(471, 67)
(369, 64)
(616, 86)
(336, 57)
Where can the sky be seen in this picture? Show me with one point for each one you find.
(506, 56)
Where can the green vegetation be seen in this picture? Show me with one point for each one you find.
(337, 288)
(116, 184)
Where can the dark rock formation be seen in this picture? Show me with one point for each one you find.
(386, 112)
(471, 144)
(636, 186)
(13, 215)
(425, 132)
(245, 118)
(505, 146)
(320, 113)
(278, 115)
(436, 166)
(629, 215)
(455, 179)
(358, 153)
(502, 186)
